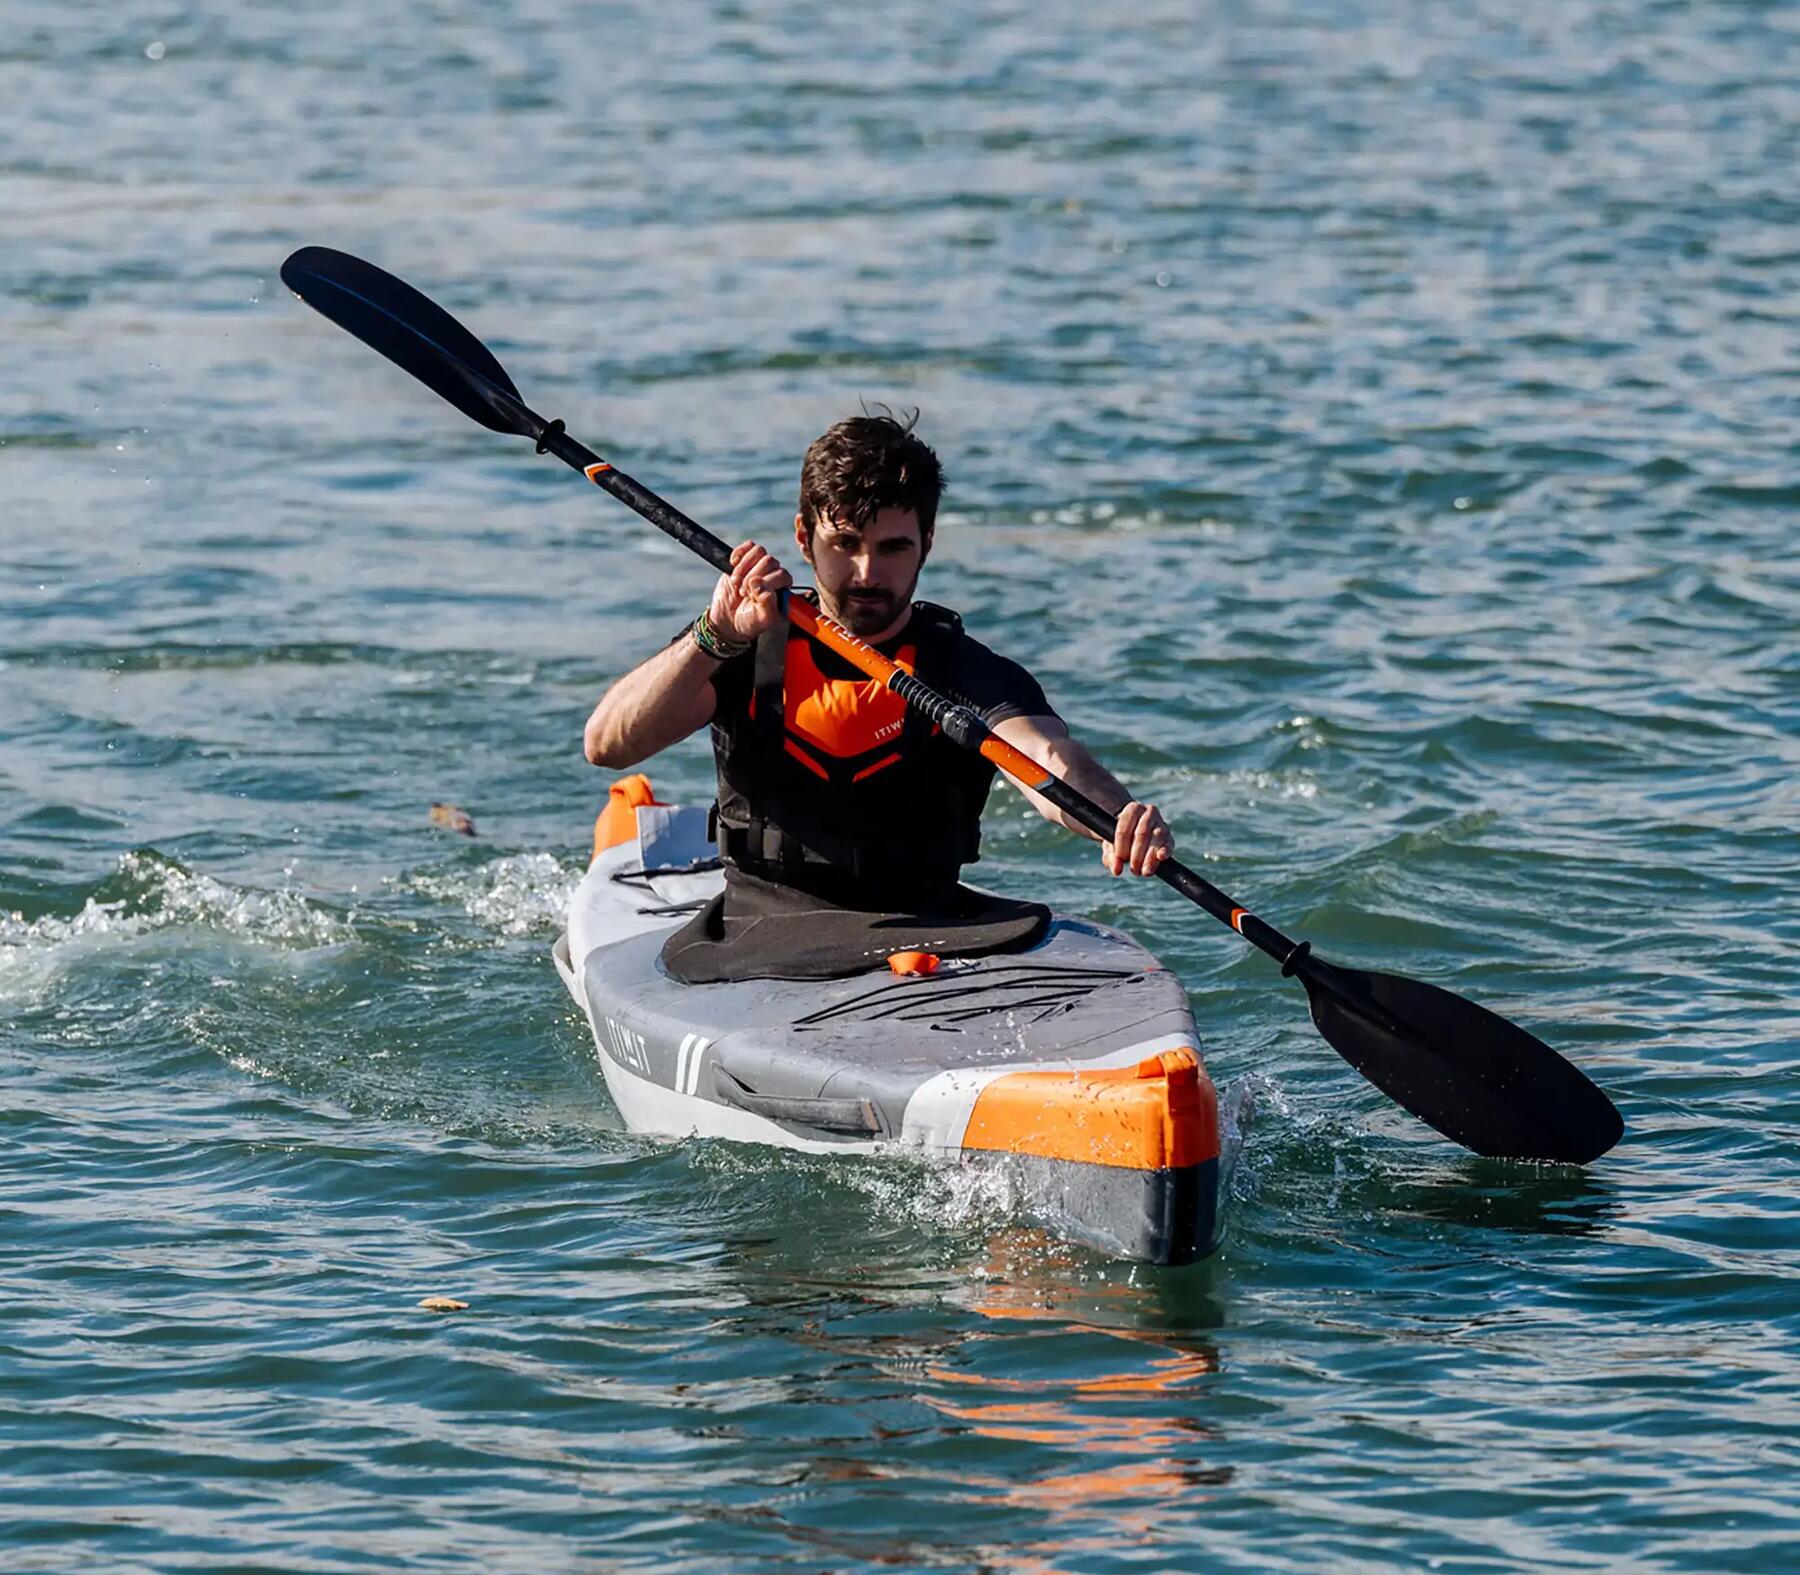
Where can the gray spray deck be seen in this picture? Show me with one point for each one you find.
(855, 1064)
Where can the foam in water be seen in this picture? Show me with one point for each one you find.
(521, 894)
(158, 894)
(939, 1196)
(1239, 1106)
(902, 1185)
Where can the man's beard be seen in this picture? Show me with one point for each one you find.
(868, 612)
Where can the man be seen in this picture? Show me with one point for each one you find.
(826, 783)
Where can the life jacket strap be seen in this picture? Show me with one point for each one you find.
(766, 850)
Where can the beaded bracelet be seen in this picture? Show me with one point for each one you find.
(715, 644)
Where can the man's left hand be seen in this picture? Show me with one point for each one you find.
(1141, 841)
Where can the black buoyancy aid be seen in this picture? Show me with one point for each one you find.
(832, 774)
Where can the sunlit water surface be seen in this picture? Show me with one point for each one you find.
(1374, 424)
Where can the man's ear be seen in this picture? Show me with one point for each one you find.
(801, 538)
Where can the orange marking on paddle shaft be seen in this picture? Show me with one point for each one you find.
(1015, 762)
(808, 619)
(1237, 917)
(592, 472)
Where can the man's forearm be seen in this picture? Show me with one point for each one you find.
(656, 704)
(1071, 761)
(1140, 842)
(1049, 743)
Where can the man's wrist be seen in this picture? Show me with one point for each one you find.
(721, 648)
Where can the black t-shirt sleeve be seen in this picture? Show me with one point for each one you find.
(998, 687)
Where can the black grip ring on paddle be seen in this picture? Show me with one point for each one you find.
(550, 433)
(1294, 959)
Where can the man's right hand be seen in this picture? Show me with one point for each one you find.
(746, 602)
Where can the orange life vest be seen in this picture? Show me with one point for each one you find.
(839, 726)
(827, 770)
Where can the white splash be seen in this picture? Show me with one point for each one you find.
(521, 894)
(161, 896)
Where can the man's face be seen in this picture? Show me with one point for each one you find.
(865, 574)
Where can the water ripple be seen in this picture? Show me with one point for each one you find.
(1372, 424)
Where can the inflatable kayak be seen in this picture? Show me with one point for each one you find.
(1073, 1063)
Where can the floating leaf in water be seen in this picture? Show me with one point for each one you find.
(443, 1304)
(453, 819)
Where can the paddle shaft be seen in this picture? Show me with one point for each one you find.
(1478, 1079)
(959, 722)
(964, 726)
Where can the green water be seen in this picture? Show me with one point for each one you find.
(1373, 424)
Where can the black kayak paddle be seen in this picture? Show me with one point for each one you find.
(1478, 1079)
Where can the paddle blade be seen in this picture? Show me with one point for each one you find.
(412, 331)
(1481, 1081)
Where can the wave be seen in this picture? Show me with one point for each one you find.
(151, 893)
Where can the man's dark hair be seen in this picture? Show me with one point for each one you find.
(866, 464)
